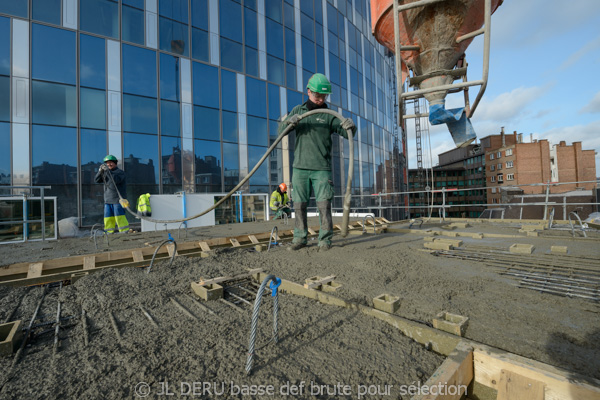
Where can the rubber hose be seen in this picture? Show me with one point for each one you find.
(286, 131)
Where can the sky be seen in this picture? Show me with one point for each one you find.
(544, 78)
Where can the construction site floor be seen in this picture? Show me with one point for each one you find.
(321, 344)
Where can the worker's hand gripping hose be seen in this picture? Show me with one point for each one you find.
(283, 134)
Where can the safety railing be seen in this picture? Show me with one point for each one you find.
(24, 217)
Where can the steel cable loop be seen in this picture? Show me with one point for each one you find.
(104, 233)
(158, 248)
(283, 134)
(274, 293)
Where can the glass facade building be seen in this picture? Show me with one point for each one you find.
(187, 94)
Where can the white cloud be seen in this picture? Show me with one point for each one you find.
(510, 106)
(590, 47)
(593, 106)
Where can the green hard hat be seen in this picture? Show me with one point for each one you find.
(319, 83)
(110, 157)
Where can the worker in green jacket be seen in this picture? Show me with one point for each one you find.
(312, 160)
(280, 202)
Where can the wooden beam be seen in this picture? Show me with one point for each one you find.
(319, 282)
(230, 278)
(137, 256)
(35, 270)
(456, 371)
(311, 231)
(234, 242)
(515, 386)
(253, 239)
(204, 246)
(560, 385)
(89, 262)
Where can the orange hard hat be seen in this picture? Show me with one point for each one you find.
(283, 188)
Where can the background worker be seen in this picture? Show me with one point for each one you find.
(114, 213)
(280, 202)
(312, 160)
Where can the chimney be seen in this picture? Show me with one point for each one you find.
(519, 137)
(502, 136)
(562, 143)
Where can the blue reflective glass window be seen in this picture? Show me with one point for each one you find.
(293, 99)
(132, 25)
(4, 46)
(139, 71)
(169, 118)
(261, 176)
(341, 24)
(274, 103)
(250, 28)
(308, 28)
(169, 77)
(290, 76)
(332, 18)
(4, 98)
(139, 114)
(92, 60)
(93, 148)
(231, 55)
(290, 46)
(53, 54)
(53, 155)
(171, 164)
(173, 37)
(229, 90)
(258, 133)
(141, 161)
(230, 20)
(5, 154)
(230, 126)
(200, 45)
(174, 9)
(319, 35)
(319, 11)
(251, 62)
(250, 4)
(273, 127)
(46, 10)
(333, 43)
(306, 7)
(135, 3)
(53, 104)
(206, 123)
(200, 14)
(274, 38)
(206, 85)
(288, 14)
(334, 69)
(93, 108)
(273, 10)
(275, 70)
(18, 8)
(256, 97)
(208, 166)
(231, 165)
(308, 55)
(100, 17)
(320, 59)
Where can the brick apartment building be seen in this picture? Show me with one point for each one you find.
(507, 167)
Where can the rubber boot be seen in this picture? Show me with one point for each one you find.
(301, 226)
(326, 229)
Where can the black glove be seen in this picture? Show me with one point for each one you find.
(348, 124)
(276, 204)
(289, 205)
(293, 120)
(103, 167)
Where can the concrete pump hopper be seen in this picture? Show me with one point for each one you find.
(431, 37)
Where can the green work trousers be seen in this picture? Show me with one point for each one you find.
(303, 180)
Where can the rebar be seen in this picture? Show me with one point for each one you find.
(114, 324)
(232, 305)
(152, 321)
(276, 282)
(229, 292)
(104, 233)
(179, 230)
(84, 327)
(156, 251)
(183, 309)
(365, 225)
(24, 342)
(414, 221)
(580, 224)
(199, 304)
(271, 237)
(285, 218)
(57, 327)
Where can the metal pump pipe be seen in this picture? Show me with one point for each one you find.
(286, 131)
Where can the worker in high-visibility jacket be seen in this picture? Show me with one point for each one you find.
(280, 202)
(114, 213)
(143, 205)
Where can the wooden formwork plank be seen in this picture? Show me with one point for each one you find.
(137, 256)
(319, 282)
(229, 278)
(515, 386)
(456, 370)
(559, 385)
(311, 231)
(35, 270)
(171, 250)
(204, 246)
(253, 239)
(89, 262)
(234, 242)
